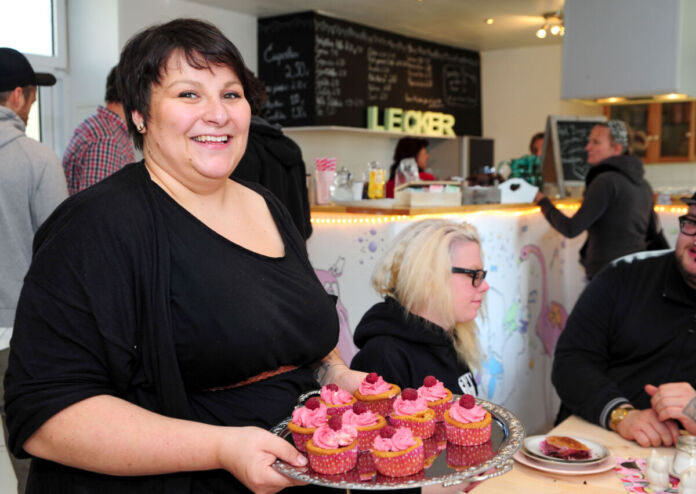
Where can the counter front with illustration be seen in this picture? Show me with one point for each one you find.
(533, 272)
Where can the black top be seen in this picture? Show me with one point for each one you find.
(615, 212)
(634, 324)
(96, 317)
(404, 348)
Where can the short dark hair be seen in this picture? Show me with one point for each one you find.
(143, 61)
(407, 147)
(538, 135)
(5, 95)
(112, 94)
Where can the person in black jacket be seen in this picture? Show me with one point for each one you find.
(625, 358)
(617, 207)
(433, 284)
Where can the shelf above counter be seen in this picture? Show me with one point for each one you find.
(361, 131)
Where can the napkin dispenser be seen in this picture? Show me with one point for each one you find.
(517, 190)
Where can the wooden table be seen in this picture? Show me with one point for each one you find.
(526, 480)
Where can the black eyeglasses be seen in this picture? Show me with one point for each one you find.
(477, 275)
(687, 225)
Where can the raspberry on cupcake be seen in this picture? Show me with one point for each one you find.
(306, 420)
(366, 422)
(337, 400)
(409, 410)
(466, 423)
(377, 394)
(438, 397)
(397, 452)
(333, 448)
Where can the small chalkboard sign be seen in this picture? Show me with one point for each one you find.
(564, 159)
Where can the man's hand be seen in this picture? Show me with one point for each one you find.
(644, 427)
(675, 401)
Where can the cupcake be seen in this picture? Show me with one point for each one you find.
(439, 398)
(466, 423)
(377, 394)
(411, 411)
(397, 452)
(333, 448)
(366, 422)
(337, 400)
(366, 466)
(430, 451)
(305, 421)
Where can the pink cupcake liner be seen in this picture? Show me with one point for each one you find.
(440, 410)
(468, 456)
(380, 407)
(424, 430)
(333, 464)
(469, 436)
(366, 438)
(430, 450)
(300, 440)
(399, 466)
(440, 436)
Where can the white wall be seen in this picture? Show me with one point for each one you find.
(98, 29)
(520, 87)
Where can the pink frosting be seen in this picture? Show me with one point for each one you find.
(327, 438)
(304, 417)
(359, 420)
(433, 393)
(340, 397)
(376, 388)
(409, 407)
(401, 440)
(467, 415)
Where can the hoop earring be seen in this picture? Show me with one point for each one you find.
(140, 127)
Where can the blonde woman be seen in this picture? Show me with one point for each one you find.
(433, 283)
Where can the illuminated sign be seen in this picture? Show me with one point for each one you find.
(411, 121)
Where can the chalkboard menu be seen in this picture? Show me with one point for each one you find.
(319, 70)
(564, 148)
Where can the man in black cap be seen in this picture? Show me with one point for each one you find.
(626, 358)
(32, 184)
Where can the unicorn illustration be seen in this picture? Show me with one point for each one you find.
(329, 279)
(552, 316)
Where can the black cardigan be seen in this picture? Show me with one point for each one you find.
(97, 296)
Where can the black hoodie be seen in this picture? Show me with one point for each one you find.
(404, 348)
(615, 211)
(275, 161)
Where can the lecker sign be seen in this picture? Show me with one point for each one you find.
(411, 121)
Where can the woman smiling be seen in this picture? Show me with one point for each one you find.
(170, 315)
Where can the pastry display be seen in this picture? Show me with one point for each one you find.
(377, 394)
(466, 423)
(409, 410)
(397, 452)
(438, 397)
(366, 422)
(565, 448)
(337, 400)
(305, 421)
(333, 448)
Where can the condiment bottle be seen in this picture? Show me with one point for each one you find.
(685, 456)
(375, 188)
(657, 471)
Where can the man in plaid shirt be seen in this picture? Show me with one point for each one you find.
(100, 145)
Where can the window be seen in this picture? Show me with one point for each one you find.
(41, 36)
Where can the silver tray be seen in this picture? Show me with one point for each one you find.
(506, 438)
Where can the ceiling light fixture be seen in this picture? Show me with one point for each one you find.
(553, 23)
(489, 21)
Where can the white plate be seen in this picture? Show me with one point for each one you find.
(532, 448)
(591, 469)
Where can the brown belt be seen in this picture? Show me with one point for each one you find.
(256, 378)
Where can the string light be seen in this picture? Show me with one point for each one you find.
(319, 218)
